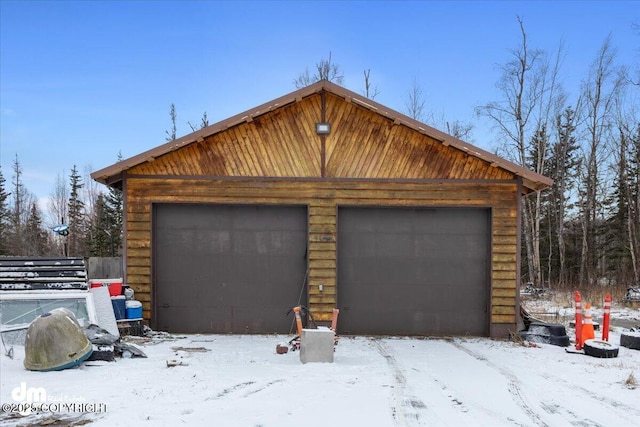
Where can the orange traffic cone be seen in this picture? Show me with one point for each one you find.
(587, 325)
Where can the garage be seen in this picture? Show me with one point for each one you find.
(414, 271)
(228, 268)
(329, 198)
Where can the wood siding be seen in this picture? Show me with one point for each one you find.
(366, 145)
(366, 160)
(323, 198)
(284, 144)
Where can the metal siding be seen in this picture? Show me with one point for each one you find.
(413, 271)
(228, 269)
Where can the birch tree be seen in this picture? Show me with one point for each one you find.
(599, 93)
(530, 92)
(562, 167)
(57, 210)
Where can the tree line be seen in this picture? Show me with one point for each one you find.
(584, 230)
(89, 221)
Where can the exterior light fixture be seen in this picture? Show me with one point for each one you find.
(323, 128)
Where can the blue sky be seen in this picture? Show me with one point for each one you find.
(81, 81)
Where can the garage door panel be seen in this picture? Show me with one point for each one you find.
(222, 317)
(394, 245)
(186, 318)
(221, 269)
(430, 280)
(359, 248)
(217, 242)
(275, 275)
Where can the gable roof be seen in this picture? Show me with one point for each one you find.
(112, 175)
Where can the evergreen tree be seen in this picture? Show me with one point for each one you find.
(535, 159)
(36, 238)
(101, 243)
(77, 226)
(561, 167)
(616, 230)
(634, 203)
(104, 223)
(622, 225)
(18, 213)
(113, 211)
(171, 135)
(114, 203)
(4, 216)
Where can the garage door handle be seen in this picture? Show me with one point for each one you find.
(164, 306)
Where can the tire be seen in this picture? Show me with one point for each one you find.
(601, 349)
(557, 330)
(538, 339)
(561, 341)
(630, 340)
(548, 329)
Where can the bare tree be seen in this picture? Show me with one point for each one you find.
(635, 80)
(369, 91)
(414, 102)
(522, 117)
(57, 205)
(599, 93)
(459, 129)
(304, 79)
(57, 211)
(562, 169)
(325, 70)
(204, 122)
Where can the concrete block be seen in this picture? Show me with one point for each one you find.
(316, 345)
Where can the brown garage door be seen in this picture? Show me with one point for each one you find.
(227, 269)
(413, 271)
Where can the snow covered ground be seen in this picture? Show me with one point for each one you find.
(241, 381)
